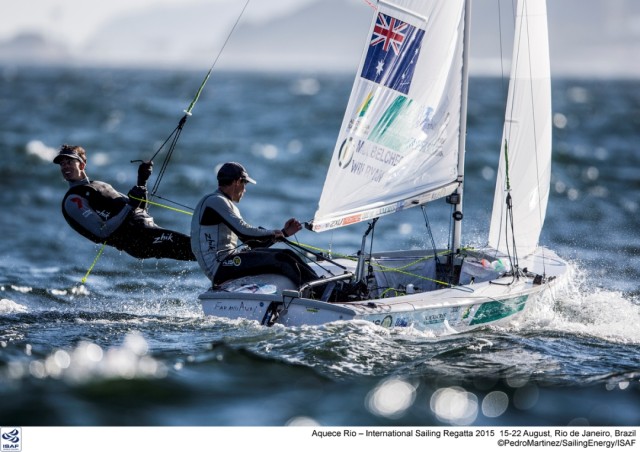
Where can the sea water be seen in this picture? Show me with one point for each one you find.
(131, 347)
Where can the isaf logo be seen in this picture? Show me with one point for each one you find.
(11, 439)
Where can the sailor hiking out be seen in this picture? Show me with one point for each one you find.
(100, 213)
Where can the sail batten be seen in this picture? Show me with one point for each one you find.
(398, 143)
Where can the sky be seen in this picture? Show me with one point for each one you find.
(600, 37)
(74, 21)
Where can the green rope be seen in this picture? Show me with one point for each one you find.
(176, 134)
(84, 280)
(197, 96)
(379, 266)
(384, 268)
(161, 205)
(390, 289)
(506, 164)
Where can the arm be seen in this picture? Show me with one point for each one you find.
(290, 227)
(78, 208)
(218, 209)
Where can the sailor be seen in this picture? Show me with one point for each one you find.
(101, 214)
(217, 225)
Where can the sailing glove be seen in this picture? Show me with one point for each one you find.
(144, 172)
(138, 197)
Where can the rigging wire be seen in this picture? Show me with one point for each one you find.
(503, 78)
(175, 135)
(370, 4)
(163, 205)
(513, 262)
(429, 231)
(524, 35)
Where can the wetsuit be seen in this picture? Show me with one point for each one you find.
(215, 229)
(100, 213)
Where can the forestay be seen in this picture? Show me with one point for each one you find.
(527, 134)
(398, 144)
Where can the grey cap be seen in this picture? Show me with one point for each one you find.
(233, 171)
(66, 152)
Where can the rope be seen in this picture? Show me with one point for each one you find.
(161, 205)
(316, 250)
(84, 280)
(197, 96)
(175, 135)
(384, 267)
(399, 270)
(370, 4)
(178, 130)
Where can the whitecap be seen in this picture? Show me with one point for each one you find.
(578, 308)
(11, 307)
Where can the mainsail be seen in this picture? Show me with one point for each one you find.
(398, 144)
(526, 136)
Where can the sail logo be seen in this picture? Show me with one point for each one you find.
(347, 149)
(11, 439)
(392, 54)
(359, 125)
(406, 126)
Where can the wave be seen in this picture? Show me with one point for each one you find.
(11, 307)
(581, 309)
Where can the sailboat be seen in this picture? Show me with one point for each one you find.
(402, 145)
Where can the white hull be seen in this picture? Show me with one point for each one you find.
(441, 311)
(402, 145)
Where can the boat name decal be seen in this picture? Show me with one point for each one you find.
(220, 306)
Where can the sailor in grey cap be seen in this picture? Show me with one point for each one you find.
(217, 227)
(231, 171)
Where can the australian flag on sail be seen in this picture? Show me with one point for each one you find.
(392, 54)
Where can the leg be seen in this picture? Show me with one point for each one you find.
(261, 261)
(148, 242)
(171, 245)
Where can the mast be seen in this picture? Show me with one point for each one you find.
(457, 216)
